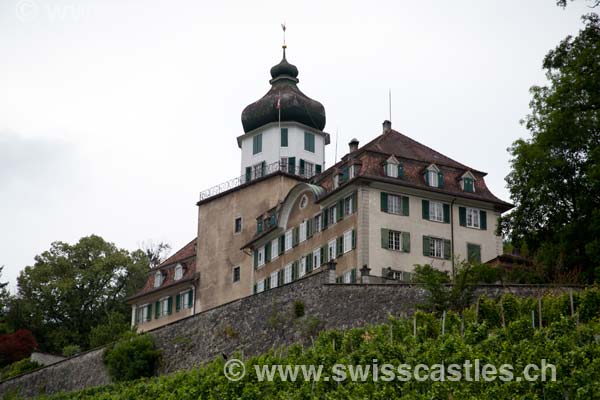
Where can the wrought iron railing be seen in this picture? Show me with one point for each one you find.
(257, 172)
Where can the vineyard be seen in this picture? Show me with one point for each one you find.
(504, 331)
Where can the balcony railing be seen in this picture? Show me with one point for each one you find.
(257, 172)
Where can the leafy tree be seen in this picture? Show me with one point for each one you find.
(132, 357)
(555, 177)
(435, 282)
(115, 326)
(73, 288)
(16, 346)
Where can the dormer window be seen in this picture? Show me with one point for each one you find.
(353, 171)
(434, 177)
(158, 279)
(393, 169)
(467, 182)
(178, 272)
(336, 181)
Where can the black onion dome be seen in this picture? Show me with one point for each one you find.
(295, 105)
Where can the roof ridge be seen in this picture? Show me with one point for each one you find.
(171, 259)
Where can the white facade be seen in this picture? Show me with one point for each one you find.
(272, 151)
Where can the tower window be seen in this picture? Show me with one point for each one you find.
(236, 274)
(309, 142)
(284, 137)
(238, 225)
(257, 144)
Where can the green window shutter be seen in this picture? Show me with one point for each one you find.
(440, 180)
(385, 169)
(345, 174)
(191, 298)
(309, 228)
(281, 244)
(353, 238)
(425, 207)
(280, 277)
(255, 288)
(340, 210)
(149, 312)
(301, 167)
(426, 249)
(446, 213)
(309, 262)
(400, 171)
(339, 246)
(447, 249)
(248, 174)
(268, 252)
(295, 236)
(255, 258)
(177, 303)
(406, 242)
(272, 220)
(384, 202)
(426, 177)
(324, 219)
(170, 305)
(292, 165)
(295, 270)
(268, 282)
(468, 184)
(157, 310)
(324, 255)
(338, 279)
(385, 238)
(483, 220)
(318, 168)
(284, 137)
(259, 226)
(462, 216)
(355, 202)
(405, 206)
(353, 275)
(263, 167)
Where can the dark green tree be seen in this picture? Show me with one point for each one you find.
(555, 176)
(73, 288)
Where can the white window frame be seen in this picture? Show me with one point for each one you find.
(274, 249)
(391, 170)
(178, 272)
(336, 180)
(164, 306)
(473, 218)
(184, 299)
(436, 247)
(436, 211)
(433, 177)
(302, 235)
(284, 164)
(394, 204)
(352, 172)
(302, 267)
(158, 279)
(260, 286)
(347, 277)
(261, 256)
(309, 169)
(289, 237)
(349, 204)
(347, 241)
(332, 214)
(317, 223)
(316, 255)
(140, 313)
(332, 249)
(395, 240)
(274, 280)
(287, 274)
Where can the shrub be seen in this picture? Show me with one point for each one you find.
(132, 357)
(71, 350)
(298, 309)
(16, 346)
(19, 367)
(590, 304)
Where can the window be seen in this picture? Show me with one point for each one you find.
(303, 201)
(473, 253)
(283, 164)
(347, 241)
(260, 286)
(348, 205)
(258, 169)
(309, 142)
(288, 240)
(436, 211)
(158, 279)
(142, 314)
(287, 274)
(257, 144)
(432, 177)
(395, 240)
(274, 249)
(353, 171)
(284, 137)
(473, 218)
(467, 185)
(164, 306)
(302, 231)
(336, 181)
(317, 224)
(237, 226)
(302, 270)
(331, 249)
(236, 274)
(186, 299)
(347, 277)
(274, 279)
(394, 204)
(309, 169)
(316, 258)
(436, 247)
(391, 170)
(261, 256)
(178, 272)
(332, 215)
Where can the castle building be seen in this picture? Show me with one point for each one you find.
(385, 207)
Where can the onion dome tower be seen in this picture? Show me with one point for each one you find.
(283, 130)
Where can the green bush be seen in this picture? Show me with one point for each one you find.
(131, 358)
(71, 350)
(19, 367)
(298, 309)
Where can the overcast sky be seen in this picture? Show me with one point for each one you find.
(115, 114)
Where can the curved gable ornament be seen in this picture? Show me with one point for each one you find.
(292, 197)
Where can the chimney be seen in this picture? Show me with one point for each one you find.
(353, 145)
(387, 126)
